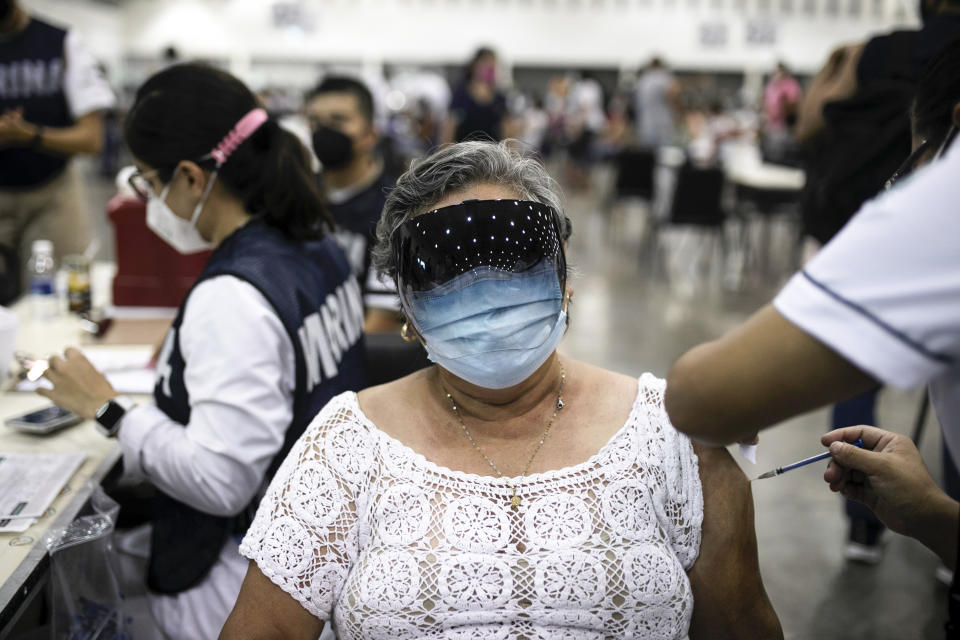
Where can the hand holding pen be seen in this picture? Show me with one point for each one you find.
(888, 475)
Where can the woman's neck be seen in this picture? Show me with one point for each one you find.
(226, 214)
(515, 412)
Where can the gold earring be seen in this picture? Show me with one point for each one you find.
(405, 333)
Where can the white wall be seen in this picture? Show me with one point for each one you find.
(620, 33)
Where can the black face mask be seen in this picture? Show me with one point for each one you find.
(334, 149)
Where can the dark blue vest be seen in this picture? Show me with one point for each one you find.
(312, 291)
(31, 78)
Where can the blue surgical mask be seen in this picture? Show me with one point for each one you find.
(492, 328)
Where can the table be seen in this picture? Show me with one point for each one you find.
(767, 177)
(764, 190)
(23, 557)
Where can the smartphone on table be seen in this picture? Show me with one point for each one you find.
(43, 421)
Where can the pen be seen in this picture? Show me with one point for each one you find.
(801, 463)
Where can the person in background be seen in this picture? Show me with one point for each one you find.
(535, 125)
(854, 124)
(781, 100)
(656, 101)
(341, 116)
(271, 331)
(585, 120)
(881, 302)
(478, 109)
(52, 100)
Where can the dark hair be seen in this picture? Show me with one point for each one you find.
(937, 92)
(184, 111)
(344, 84)
(480, 53)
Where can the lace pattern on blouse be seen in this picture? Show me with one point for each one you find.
(359, 528)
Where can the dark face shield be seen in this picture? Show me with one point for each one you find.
(482, 237)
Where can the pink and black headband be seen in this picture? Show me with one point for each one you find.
(244, 128)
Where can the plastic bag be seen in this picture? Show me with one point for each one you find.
(86, 600)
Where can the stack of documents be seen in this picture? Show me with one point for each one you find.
(29, 482)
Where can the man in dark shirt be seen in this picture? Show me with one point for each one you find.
(52, 95)
(341, 115)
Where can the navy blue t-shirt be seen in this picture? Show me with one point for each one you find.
(32, 65)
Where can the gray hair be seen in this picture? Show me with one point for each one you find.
(457, 167)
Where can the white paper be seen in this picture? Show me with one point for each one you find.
(29, 482)
(749, 452)
(127, 369)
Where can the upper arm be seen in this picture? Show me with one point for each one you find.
(236, 347)
(264, 611)
(762, 372)
(728, 594)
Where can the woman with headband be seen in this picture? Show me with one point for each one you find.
(269, 333)
(508, 491)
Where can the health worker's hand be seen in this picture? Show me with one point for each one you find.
(889, 476)
(77, 385)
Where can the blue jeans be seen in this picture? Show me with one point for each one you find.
(850, 413)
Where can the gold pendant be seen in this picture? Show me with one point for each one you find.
(515, 501)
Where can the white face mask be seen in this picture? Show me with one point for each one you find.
(180, 234)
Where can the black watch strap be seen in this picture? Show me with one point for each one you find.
(109, 415)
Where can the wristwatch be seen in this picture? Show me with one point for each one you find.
(108, 416)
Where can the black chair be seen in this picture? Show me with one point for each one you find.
(697, 197)
(756, 203)
(634, 169)
(390, 357)
(698, 203)
(634, 179)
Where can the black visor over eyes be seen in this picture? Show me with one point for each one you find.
(511, 236)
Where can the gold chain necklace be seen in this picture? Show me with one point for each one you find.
(514, 498)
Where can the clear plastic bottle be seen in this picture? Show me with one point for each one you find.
(42, 270)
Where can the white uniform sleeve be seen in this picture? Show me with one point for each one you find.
(240, 376)
(885, 293)
(84, 84)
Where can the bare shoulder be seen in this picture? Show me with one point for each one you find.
(383, 403)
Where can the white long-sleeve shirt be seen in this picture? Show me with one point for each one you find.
(240, 376)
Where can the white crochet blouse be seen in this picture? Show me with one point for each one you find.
(362, 530)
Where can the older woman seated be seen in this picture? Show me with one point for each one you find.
(508, 491)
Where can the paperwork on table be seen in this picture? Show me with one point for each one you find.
(29, 482)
